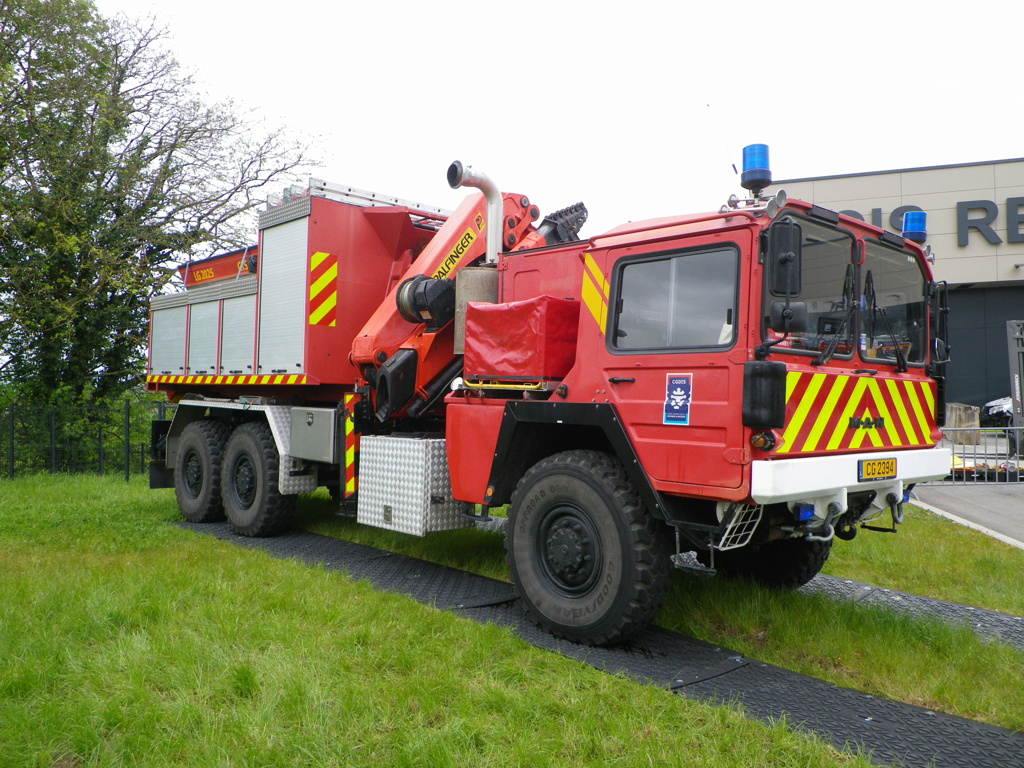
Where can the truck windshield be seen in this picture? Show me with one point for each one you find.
(828, 291)
(893, 324)
(880, 301)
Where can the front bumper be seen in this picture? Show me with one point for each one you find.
(822, 480)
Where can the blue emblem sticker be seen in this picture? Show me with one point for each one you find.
(678, 392)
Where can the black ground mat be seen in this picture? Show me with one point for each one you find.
(991, 624)
(888, 730)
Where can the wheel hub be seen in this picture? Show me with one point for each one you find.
(193, 474)
(245, 482)
(570, 552)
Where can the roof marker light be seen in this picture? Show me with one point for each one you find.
(914, 226)
(756, 173)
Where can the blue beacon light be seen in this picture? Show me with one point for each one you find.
(756, 172)
(914, 226)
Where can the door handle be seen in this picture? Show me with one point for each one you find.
(620, 380)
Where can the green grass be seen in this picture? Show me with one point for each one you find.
(871, 648)
(129, 642)
(934, 556)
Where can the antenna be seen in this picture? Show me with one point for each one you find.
(725, 147)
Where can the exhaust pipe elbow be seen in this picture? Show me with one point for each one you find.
(460, 175)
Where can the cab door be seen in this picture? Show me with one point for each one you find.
(674, 322)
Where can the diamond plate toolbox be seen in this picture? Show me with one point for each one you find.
(404, 486)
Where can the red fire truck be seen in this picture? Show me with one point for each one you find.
(745, 385)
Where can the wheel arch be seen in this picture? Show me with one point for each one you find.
(534, 430)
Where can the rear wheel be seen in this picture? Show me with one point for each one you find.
(197, 471)
(588, 561)
(252, 502)
(783, 564)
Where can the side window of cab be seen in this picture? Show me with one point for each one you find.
(677, 300)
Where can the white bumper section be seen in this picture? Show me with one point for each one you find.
(823, 480)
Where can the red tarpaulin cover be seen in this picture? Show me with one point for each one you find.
(533, 339)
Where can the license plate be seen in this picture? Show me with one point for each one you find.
(876, 469)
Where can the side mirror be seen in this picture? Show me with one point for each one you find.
(939, 311)
(785, 242)
(788, 317)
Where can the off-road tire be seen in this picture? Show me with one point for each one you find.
(252, 502)
(781, 564)
(588, 561)
(197, 471)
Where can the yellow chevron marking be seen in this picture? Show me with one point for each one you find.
(901, 410)
(915, 403)
(844, 419)
(317, 259)
(870, 434)
(594, 291)
(324, 281)
(830, 405)
(802, 410)
(593, 302)
(792, 378)
(318, 314)
(883, 410)
(927, 392)
(294, 378)
(596, 274)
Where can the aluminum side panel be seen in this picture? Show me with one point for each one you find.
(167, 351)
(202, 337)
(238, 328)
(282, 271)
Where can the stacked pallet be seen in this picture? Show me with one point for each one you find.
(962, 424)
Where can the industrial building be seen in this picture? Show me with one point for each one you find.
(975, 215)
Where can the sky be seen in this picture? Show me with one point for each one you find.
(638, 109)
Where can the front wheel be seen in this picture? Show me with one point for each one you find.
(252, 502)
(589, 563)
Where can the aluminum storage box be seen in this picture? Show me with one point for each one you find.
(404, 486)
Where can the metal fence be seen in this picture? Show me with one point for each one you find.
(988, 455)
(101, 441)
(116, 441)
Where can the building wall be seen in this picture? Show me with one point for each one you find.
(976, 231)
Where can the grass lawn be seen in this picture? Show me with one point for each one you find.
(129, 642)
(870, 648)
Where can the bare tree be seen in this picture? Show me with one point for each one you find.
(112, 172)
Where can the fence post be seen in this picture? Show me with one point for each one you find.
(99, 447)
(53, 442)
(127, 439)
(10, 448)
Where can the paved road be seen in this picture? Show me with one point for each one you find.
(996, 508)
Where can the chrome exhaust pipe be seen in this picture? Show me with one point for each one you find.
(460, 175)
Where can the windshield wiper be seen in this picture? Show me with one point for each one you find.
(839, 333)
(869, 294)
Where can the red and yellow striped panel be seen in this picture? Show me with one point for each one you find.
(594, 291)
(351, 446)
(833, 412)
(323, 288)
(274, 378)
